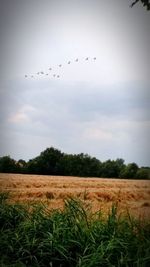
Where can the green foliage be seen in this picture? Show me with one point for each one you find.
(71, 238)
(112, 168)
(143, 173)
(80, 165)
(53, 162)
(129, 171)
(22, 165)
(46, 163)
(4, 196)
(7, 164)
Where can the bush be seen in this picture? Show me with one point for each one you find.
(8, 164)
(129, 171)
(72, 237)
(143, 174)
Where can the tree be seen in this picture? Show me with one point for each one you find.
(129, 171)
(33, 166)
(80, 165)
(22, 165)
(145, 3)
(7, 164)
(143, 173)
(89, 166)
(47, 162)
(112, 168)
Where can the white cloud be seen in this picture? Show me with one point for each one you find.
(23, 115)
(96, 133)
(18, 118)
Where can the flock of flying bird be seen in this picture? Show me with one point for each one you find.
(54, 74)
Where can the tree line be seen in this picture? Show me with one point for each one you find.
(53, 162)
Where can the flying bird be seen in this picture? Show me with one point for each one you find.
(60, 65)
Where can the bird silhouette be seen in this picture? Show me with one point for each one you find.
(60, 65)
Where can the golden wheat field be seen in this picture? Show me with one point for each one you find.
(99, 193)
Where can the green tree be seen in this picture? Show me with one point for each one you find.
(33, 166)
(112, 168)
(143, 173)
(8, 165)
(46, 163)
(88, 166)
(65, 165)
(129, 171)
(22, 165)
(80, 165)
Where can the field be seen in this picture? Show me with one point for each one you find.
(69, 234)
(131, 195)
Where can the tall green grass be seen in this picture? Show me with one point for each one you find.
(37, 237)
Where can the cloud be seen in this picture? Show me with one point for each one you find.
(23, 115)
(97, 134)
(19, 118)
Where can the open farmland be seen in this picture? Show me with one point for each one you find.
(132, 195)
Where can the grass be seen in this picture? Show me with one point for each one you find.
(38, 237)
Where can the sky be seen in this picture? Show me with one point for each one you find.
(99, 107)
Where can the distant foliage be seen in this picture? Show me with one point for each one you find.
(53, 162)
(7, 164)
(143, 173)
(112, 168)
(46, 163)
(129, 171)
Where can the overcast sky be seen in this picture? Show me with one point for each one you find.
(99, 107)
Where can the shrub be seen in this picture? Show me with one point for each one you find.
(72, 237)
(143, 174)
